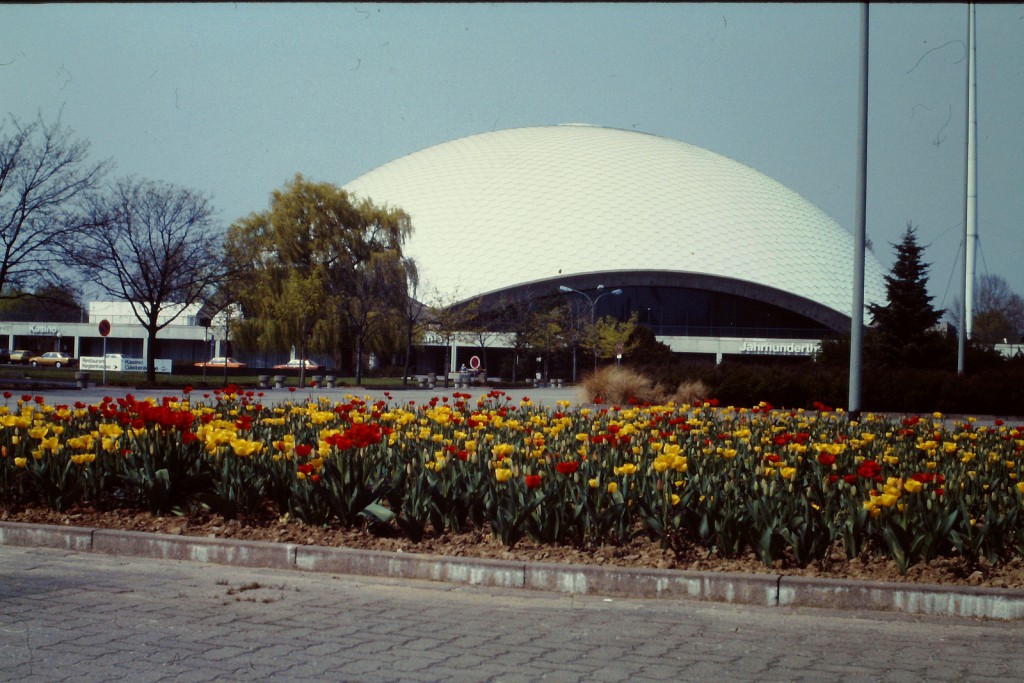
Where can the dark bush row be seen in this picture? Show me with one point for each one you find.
(997, 390)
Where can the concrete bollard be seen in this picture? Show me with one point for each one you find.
(82, 379)
(279, 381)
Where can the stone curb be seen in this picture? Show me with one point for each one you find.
(763, 590)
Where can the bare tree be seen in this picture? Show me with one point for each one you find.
(998, 312)
(516, 316)
(44, 173)
(153, 245)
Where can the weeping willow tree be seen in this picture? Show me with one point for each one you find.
(320, 270)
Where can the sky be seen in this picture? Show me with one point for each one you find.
(235, 99)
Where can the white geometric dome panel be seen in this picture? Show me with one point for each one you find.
(499, 209)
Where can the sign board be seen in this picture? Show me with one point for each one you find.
(780, 348)
(116, 363)
(474, 362)
(104, 328)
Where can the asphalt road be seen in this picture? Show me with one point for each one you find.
(89, 617)
(546, 396)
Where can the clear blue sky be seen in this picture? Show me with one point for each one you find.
(235, 99)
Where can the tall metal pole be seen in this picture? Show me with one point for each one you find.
(970, 200)
(857, 311)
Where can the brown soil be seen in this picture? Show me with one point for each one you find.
(638, 553)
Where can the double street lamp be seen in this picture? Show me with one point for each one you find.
(593, 315)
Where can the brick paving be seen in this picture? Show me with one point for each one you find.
(91, 617)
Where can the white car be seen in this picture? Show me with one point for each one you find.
(297, 363)
(221, 362)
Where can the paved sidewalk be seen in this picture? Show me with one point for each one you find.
(91, 617)
(768, 590)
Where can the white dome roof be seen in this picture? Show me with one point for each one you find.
(500, 209)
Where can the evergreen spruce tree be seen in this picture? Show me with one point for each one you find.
(904, 328)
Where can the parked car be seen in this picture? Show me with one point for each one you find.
(220, 362)
(56, 359)
(20, 356)
(297, 363)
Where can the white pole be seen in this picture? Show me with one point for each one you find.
(972, 170)
(971, 197)
(860, 230)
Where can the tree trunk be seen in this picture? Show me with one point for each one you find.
(359, 360)
(151, 354)
(408, 356)
(447, 358)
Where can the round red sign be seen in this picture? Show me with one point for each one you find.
(104, 328)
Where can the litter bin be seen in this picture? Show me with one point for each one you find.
(82, 378)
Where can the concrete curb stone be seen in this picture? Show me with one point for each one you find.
(766, 590)
(46, 536)
(214, 550)
(472, 571)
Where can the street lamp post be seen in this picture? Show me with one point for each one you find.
(206, 345)
(593, 316)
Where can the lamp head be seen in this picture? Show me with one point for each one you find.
(616, 291)
(563, 288)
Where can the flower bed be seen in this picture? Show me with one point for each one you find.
(782, 484)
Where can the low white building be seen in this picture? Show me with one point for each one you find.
(183, 339)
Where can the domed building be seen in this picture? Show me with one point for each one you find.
(714, 256)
